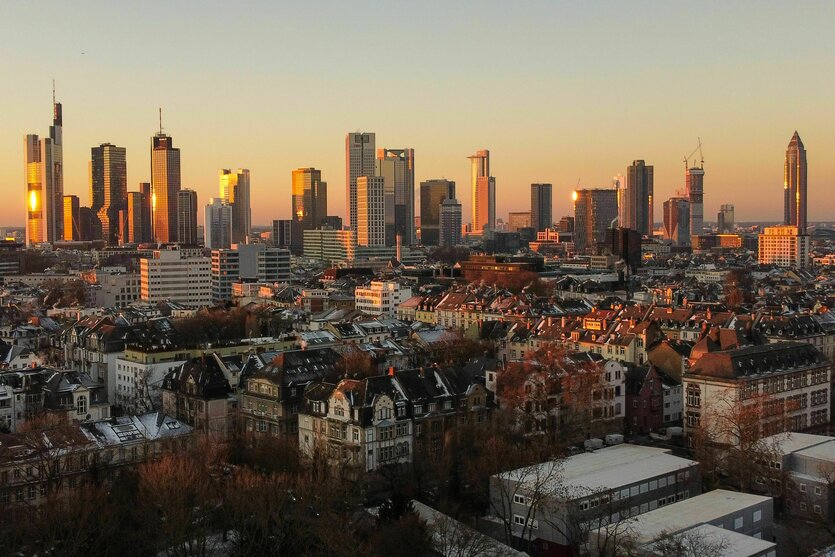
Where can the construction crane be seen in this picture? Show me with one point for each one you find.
(701, 156)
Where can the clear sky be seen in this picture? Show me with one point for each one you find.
(557, 90)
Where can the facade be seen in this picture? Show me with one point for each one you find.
(677, 221)
(694, 183)
(234, 191)
(331, 246)
(779, 387)
(360, 153)
(725, 219)
(44, 166)
(541, 206)
(282, 234)
(72, 207)
(217, 227)
(594, 211)
(187, 217)
(517, 220)
(784, 246)
(137, 221)
(108, 189)
(165, 185)
(309, 203)
(397, 167)
(370, 222)
(483, 188)
(381, 297)
(168, 275)
(639, 197)
(432, 194)
(450, 223)
(794, 185)
(200, 393)
(249, 263)
(147, 212)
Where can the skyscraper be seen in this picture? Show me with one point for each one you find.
(217, 227)
(638, 198)
(794, 185)
(594, 212)
(359, 161)
(371, 218)
(725, 219)
(108, 188)
(483, 187)
(694, 181)
(165, 184)
(397, 167)
(44, 167)
(309, 203)
(282, 235)
(619, 183)
(450, 223)
(187, 217)
(234, 191)
(677, 220)
(147, 213)
(72, 231)
(541, 205)
(432, 194)
(137, 221)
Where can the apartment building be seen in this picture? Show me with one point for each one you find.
(381, 297)
(169, 276)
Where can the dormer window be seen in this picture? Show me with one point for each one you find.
(81, 405)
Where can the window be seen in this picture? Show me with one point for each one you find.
(758, 515)
(520, 499)
(694, 396)
(817, 490)
(81, 405)
(802, 488)
(738, 522)
(518, 520)
(817, 509)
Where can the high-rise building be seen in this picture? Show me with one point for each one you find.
(235, 191)
(217, 227)
(147, 213)
(619, 183)
(359, 161)
(725, 219)
(483, 187)
(541, 205)
(638, 198)
(694, 183)
(517, 220)
(677, 220)
(371, 217)
(397, 167)
(250, 263)
(108, 188)
(187, 217)
(282, 235)
(137, 220)
(72, 207)
(44, 165)
(784, 246)
(171, 276)
(165, 183)
(432, 194)
(794, 184)
(88, 224)
(309, 203)
(566, 224)
(450, 223)
(334, 222)
(594, 212)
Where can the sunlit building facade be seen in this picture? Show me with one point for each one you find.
(595, 210)
(235, 191)
(397, 167)
(794, 184)
(72, 216)
(432, 194)
(165, 184)
(44, 170)
(309, 203)
(677, 221)
(483, 187)
(360, 151)
(371, 218)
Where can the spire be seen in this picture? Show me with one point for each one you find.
(160, 120)
(796, 140)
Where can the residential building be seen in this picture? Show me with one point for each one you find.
(360, 160)
(309, 203)
(381, 297)
(234, 191)
(784, 246)
(397, 167)
(217, 227)
(432, 194)
(639, 197)
(794, 185)
(483, 188)
(370, 222)
(450, 223)
(201, 393)
(539, 501)
(168, 275)
(108, 188)
(165, 185)
(187, 217)
(541, 206)
(594, 212)
(44, 166)
(677, 221)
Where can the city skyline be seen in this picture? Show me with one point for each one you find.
(569, 132)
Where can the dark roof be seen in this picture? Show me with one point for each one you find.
(757, 360)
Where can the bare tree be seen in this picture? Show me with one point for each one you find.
(690, 543)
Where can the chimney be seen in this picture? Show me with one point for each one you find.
(391, 371)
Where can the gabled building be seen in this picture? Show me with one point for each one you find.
(201, 393)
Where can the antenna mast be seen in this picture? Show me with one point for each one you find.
(160, 120)
(53, 91)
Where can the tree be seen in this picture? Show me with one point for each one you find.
(692, 542)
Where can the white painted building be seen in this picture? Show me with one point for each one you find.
(169, 275)
(785, 247)
(381, 297)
